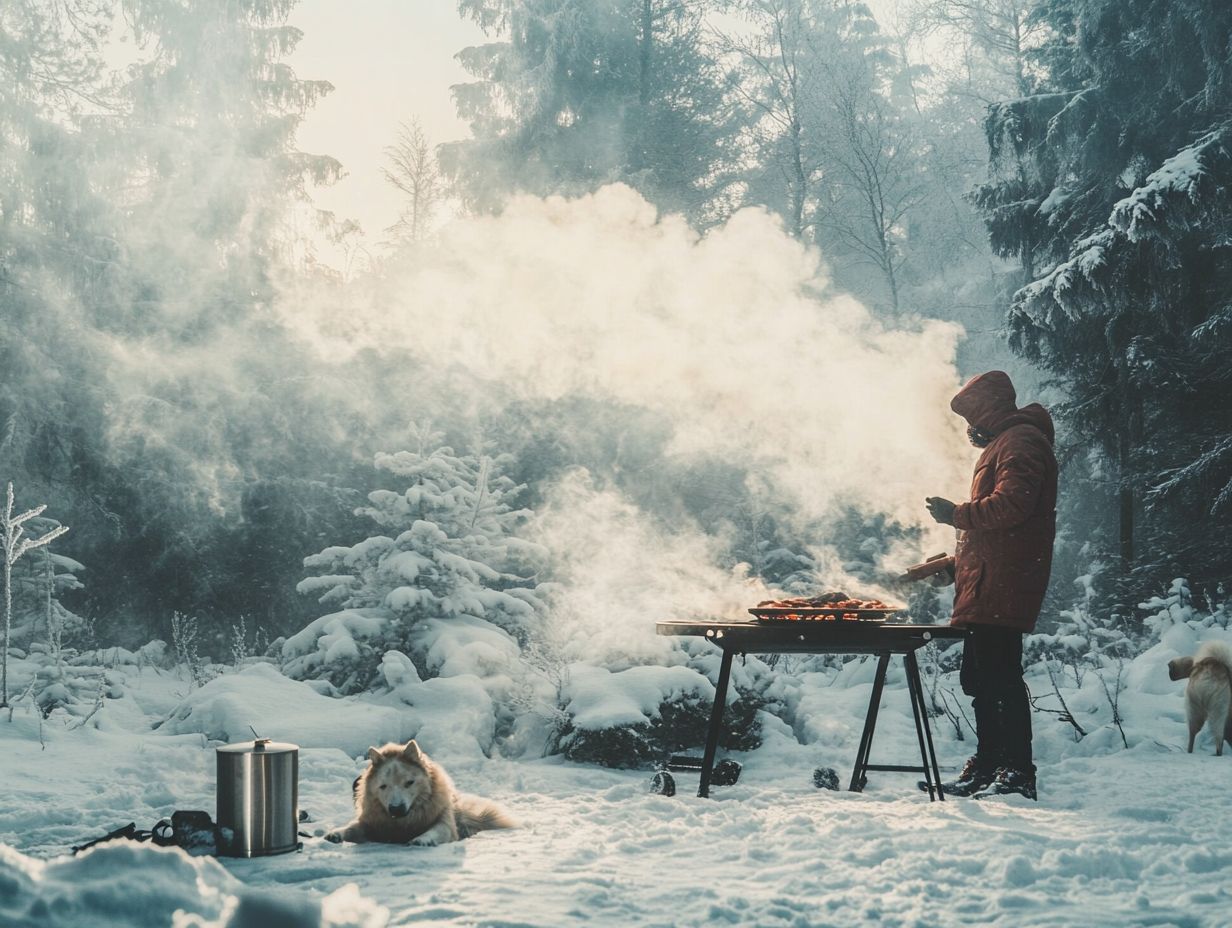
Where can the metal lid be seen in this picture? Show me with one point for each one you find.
(260, 746)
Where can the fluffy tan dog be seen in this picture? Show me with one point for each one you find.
(404, 798)
(1208, 697)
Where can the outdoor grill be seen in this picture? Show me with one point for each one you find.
(820, 630)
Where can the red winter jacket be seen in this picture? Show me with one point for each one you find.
(1006, 530)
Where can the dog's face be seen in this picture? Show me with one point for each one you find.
(399, 782)
(1180, 667)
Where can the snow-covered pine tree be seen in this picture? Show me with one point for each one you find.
(39, 581)
(179, 155)
(1113, 185)
(48, 631)
(448, 585)
(207, 192)
(212, 167)
(58, 249)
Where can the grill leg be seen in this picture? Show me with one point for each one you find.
(928, 731)
(716, 723)
(928, 754)
(859, 775)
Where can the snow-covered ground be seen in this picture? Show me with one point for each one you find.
(1119, 837)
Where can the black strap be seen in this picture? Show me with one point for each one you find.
(183, 829)
(128, 832)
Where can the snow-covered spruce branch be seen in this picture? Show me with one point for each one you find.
(15, 545)
(1213, 462)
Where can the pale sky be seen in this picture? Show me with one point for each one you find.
(388, 60)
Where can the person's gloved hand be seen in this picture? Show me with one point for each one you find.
(941, 509)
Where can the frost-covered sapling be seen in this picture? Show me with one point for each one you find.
(1064, 713)
(15, 545)
(241, 650)
(541, 690)
(942, 700)
(184, 638)
(1113, 694)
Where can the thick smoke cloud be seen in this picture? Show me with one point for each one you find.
(734, 337)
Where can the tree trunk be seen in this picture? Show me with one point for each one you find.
(798, 185)
(1127, 529)
(1020, 60)
(643, 85)
(8, 625)
(892, 280)
(1129, 432)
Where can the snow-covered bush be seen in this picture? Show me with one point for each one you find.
(1084, 661)
(151, 654)
(1179, 607)
(446, 585)
(57, 684)
(638, 716)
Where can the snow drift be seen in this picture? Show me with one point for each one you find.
(261, 697)
(129, 885)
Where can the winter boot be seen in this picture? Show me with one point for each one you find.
(1012, 781)
(977, 775)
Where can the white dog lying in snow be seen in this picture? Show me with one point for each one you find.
(405, 798)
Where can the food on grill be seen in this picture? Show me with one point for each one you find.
(825, 601)
(824, 607)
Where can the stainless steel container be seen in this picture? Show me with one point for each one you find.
(258, 798)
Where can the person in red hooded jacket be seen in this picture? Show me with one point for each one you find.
(1001, 567)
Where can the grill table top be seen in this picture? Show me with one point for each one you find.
(811, 637)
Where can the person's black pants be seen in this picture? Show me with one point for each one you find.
(991, 675)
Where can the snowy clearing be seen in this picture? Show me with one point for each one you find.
(1128, 837)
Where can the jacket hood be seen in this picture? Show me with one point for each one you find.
(986, 400)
